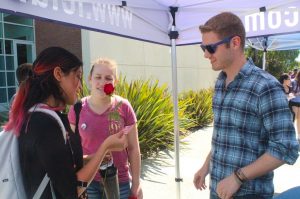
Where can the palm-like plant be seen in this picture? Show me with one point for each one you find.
(154, 109)
(200, 106)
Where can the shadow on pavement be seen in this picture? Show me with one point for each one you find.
(153, 165)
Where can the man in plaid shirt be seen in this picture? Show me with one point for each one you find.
(253, 129)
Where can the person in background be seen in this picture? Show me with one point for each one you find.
(253, 130)
(53, 84)
(102, 114)
(295, 103)
(296, 84)
(22, 73)
(285, 81)
(294, 74)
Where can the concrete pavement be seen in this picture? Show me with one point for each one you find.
(158, 173)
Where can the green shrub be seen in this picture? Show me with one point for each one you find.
(3, 115)
(154, 110)
(84, 91)
(199, 106)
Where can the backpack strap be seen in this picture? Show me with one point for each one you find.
(42, 187)
(38, 108)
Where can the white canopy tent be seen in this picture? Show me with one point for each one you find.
(275, 42)
(152, 21)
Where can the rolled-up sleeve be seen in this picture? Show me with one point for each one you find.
(278, 124)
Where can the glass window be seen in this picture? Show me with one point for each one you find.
(18, 32)
(2, 62)
(0, 16)
(2, 79)
(8, 47)
(24, 52)
(11, 92)
(3, 96)
(1, 30)
(1, 47)
(17, 19)
(11, 80)
(10, 63)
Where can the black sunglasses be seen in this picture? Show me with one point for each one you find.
(211, 48)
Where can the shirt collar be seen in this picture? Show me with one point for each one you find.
(245, 71)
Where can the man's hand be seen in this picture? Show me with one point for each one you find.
(199, 178)
(227, 187)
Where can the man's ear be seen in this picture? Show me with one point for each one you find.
(236, 41)
(57, 73)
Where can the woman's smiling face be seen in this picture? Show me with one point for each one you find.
(102, 74)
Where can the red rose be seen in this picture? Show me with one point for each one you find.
(108, 89)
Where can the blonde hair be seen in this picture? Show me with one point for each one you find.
(105, 62)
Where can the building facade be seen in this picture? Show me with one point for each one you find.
(17, 46)
(21, 39)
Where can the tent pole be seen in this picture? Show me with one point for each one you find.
(175, 108)
(264, 60)
(173, 36)
(265, 45)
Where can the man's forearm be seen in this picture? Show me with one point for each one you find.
(261, 166)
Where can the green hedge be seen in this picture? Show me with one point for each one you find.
(154, 110)
(200, 106)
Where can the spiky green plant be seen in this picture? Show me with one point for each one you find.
(154, 109)
(3, 117)
(199, 106)
(4, 112)
(84, 91)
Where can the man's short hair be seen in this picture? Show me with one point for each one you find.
(225, 24)
(23, 72)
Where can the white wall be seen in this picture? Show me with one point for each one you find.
(141, 60)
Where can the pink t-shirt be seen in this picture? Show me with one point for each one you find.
(94, 129)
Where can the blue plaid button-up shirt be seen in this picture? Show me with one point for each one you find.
(251, 117)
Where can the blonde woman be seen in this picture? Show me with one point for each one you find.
(102, 114)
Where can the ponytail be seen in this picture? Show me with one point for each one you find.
(17, 112)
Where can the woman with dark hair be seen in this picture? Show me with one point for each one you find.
(54, 83)
(295, 102)
(285, 80)
(296, 84)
